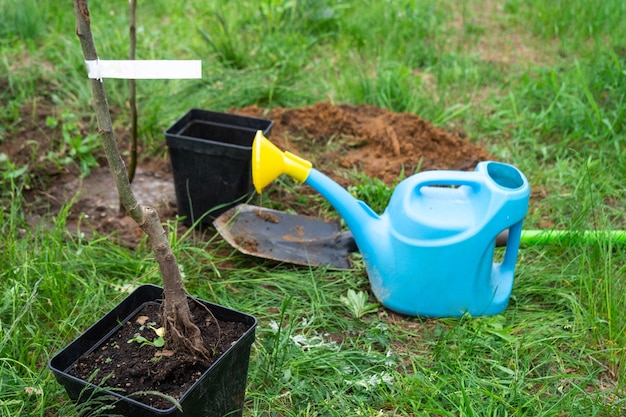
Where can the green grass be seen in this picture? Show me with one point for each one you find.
(539, 84)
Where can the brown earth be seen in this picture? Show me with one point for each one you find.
(341, 140)
(368, 139)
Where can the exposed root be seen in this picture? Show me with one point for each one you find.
(217, 323)
(180, 331)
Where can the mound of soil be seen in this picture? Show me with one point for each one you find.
(368, 139)
(340, 140)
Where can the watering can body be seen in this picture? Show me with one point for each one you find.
(431, 252)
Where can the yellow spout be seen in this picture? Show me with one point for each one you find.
(269, 162)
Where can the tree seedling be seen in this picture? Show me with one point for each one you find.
(180, 330)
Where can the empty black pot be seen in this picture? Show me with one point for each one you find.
(211, 153)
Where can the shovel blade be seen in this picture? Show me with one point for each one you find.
(292, 238)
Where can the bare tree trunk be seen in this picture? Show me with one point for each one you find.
(180, 330)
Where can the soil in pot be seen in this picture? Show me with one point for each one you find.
(132, 367)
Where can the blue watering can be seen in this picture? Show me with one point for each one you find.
(431, 253)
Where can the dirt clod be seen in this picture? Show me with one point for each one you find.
(269, 217)
(247, 244)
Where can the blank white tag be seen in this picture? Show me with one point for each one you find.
(145, 70)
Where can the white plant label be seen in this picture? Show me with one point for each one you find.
(144, 69)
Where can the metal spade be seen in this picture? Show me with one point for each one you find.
(297, 239)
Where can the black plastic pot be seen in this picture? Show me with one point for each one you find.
(211, 154)
(219, 391)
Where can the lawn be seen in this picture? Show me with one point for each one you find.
(538, 84)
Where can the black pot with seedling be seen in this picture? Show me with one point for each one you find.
(171, 335)
(217, 391)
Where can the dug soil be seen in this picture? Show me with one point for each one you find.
(342, 141)
(127, 366)
(369, 140)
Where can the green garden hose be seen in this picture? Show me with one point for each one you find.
(538, 237)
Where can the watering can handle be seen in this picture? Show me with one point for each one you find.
(449, 178)
(513, 241)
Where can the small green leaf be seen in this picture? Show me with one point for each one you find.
(158, 342)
